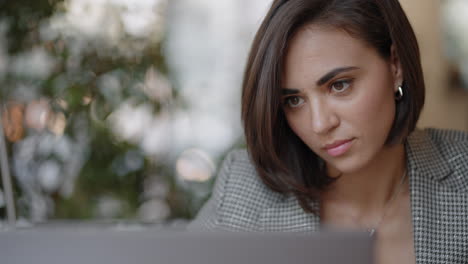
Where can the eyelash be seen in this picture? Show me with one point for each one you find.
(330, 87)
(288, 99)
(344, 81)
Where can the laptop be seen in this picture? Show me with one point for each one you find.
(107, 246)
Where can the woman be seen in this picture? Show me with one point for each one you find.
(331, 96)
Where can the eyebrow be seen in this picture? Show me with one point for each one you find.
(331, 74)
(324, 79)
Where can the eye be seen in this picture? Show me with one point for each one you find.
(340, 86)
(293, 101)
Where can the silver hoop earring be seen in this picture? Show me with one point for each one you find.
(399, 93)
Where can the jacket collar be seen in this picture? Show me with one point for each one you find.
(423, 156)
(436, 219)
(423, 160)
(440, 226)
(437, 215)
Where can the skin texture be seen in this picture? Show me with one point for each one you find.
(336, 87)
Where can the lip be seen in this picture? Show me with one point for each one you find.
(338, 147)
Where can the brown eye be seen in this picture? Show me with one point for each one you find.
(294, 101)
(340, 86)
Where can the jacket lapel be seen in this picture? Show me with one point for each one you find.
(440, 220)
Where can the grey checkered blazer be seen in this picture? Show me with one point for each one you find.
(438, 172)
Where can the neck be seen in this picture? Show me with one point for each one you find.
(366, 192)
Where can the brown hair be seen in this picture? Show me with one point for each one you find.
(282, 160)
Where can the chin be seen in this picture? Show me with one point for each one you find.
(346, 166)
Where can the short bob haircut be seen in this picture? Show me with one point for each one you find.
(284, 163)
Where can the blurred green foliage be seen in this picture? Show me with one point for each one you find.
(66, 92)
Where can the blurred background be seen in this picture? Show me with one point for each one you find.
(121, 110)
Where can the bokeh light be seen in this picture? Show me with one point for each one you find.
(195, 165)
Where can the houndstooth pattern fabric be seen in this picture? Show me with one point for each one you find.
(437, 165)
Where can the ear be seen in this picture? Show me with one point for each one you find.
(395, 67)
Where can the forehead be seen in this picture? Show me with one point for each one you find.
(315, 50)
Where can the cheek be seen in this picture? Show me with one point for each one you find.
(378, 99)
(375, 105)
(375, 111)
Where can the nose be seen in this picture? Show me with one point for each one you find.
(323, 116)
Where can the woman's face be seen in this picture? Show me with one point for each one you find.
(338, 96)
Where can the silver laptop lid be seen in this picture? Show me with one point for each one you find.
(177, 247)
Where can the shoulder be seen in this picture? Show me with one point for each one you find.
(241, 186)
(238, 196)
(452, 144)
(242, 171)
(442, 152)
(447, 135)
